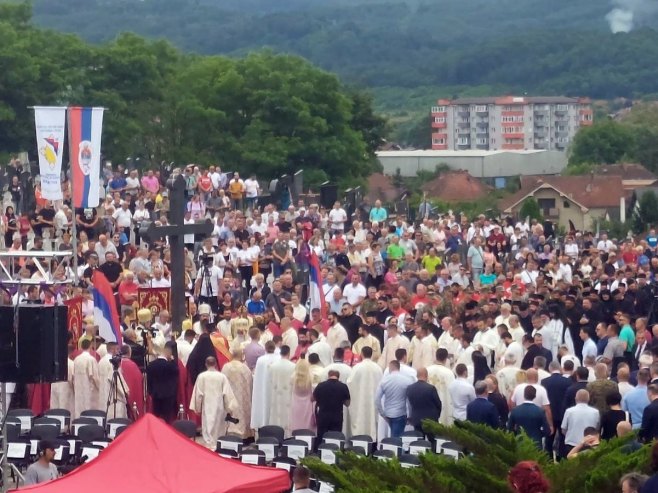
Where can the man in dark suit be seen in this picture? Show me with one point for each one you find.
(582, 374)
(532, 351)
(481, 410)
(423, 400)
(162, 380)
(556, 387)
(529, 417)
(649, 428)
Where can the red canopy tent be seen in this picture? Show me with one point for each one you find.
(152, 457)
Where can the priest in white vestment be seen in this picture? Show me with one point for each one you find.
(213, 399)
(289, 335)
(86, 380)
(320, 347)
(281, 384)
(423, 348)
(367, 340)
(441, 376)
(394, 342)
(363, 384)
(241, 380)
(105, 374)
(336, 333)
(61, 393)
(260, 400)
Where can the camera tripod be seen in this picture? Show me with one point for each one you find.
(116, 382)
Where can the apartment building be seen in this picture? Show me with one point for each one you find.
(508, 122)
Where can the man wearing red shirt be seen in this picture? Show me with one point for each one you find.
(629, 255)
(127, 291)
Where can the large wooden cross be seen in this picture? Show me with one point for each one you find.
(175, 232)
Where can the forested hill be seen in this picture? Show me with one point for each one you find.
(444, 47)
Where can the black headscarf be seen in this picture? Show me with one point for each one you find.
(196, 363)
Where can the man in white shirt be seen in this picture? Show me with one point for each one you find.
(604, 244)
(541, 399)
(251, 190)
(577, 418)
(337, 218)
(589, 346)
(461, 392)
(158, 280)
(123, 218)
(355, 292)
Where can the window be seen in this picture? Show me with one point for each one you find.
(462, 141)
(439, 119)
(435, 109)
(438, 142)
(481, 108)
(561, 107)
(481, 141)
(566, 204)
(563, 140)
(546, 205)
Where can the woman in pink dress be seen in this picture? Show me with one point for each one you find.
(301, 412)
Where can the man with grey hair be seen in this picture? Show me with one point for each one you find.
(481, 410)
(576, 419)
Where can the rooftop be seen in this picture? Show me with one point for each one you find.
(518, 100)
(456, 186)
(467, 153)
(590, 191)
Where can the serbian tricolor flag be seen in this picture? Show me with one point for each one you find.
(316, 294)
(85, 128)
(105, 309)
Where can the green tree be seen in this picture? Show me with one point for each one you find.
(646, 215)
(606, 142)
(489, 455)
(530, 208)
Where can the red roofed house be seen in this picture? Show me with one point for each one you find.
(581, 199)
(456, 186)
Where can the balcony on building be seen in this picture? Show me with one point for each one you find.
(540, 113)
(463, 113)
(541, 144)
(482, 109)
(560, 109)
(482, 122)
(464, 123)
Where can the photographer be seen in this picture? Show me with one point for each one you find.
(206, 287)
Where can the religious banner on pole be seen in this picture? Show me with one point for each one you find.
(85, 129)
(50, 125)
(155, 299)
(74, 318)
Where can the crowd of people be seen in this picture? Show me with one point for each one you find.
(491, 320)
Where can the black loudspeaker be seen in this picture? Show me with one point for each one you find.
(328, 195)
(37, 351)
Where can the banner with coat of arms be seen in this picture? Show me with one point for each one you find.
(74, 318)
(85, 129)
(155, 299)
(50, 124)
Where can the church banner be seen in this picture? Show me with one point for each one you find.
(155, 299)
(50, 125)
(74, 318)
(85, 129)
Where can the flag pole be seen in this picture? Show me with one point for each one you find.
(74, 225)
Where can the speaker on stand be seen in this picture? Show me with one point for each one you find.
(36, 350)
(328, 194)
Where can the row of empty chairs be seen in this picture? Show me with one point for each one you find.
(272, 448)
(76, 440)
